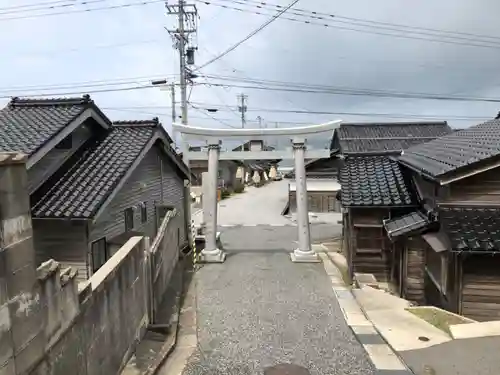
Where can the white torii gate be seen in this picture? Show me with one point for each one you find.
(298, 152)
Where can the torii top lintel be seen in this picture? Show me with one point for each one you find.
(218, 133)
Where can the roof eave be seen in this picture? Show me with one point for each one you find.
(418, 170)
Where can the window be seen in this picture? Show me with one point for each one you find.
(129, 219)
(99, 253)
(144, 212)
(66, 143)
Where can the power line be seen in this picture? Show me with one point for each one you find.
(363, 22)
(301, 88)
(142, 3)
(212, 117)
(328, 24)
(260, 28)
(85, 84)
(55, 5)
(199, 106)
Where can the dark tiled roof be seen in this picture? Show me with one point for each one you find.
(93, 176)
(472, 229)
(27, 124)
(374, 181)
(456, 150)
(387, 137)
(406, 224)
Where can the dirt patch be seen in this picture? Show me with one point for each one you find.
(438, 318)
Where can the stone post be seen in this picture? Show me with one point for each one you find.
(304, 253)
(256, 177)
(272, 172)
(211, 253)
(22, 335)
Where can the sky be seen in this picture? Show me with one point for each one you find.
(131, 44)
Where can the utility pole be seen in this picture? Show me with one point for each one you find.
(187, 17)
(243, 109)
(174, 114)
(182, 62)
(260, 121)
(172, 94)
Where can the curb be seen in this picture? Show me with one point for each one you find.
(385, 360)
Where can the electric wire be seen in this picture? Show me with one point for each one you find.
(253, 33)
(328, 24)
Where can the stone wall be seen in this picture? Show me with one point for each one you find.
(111, 317)
(50, 324)
(22, 336)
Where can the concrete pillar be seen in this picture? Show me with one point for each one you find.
(240, 173)
(304, 253)
(256, 177)
(273, 172)
(22, 334)
(211, 253)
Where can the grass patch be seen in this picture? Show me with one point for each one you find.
(436, 317)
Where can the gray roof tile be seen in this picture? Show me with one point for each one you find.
(27, 124)
(93, 174)
(406, 224)
(374, 181)
(387, 137)
(472, 229)
(454, 151)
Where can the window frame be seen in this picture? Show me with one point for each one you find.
(98, 255)
(144, 212)
(128, 214)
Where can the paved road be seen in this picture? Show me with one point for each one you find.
(258, 210)
(478, 356)
(258, 308)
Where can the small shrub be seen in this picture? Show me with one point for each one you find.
(239, 189)
(225, 193)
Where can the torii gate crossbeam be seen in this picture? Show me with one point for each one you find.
(211, 253)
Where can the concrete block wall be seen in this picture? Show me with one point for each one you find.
(22, 335)
(164, 255)
(50, 324)
(106, 319)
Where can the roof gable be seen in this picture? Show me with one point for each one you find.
(26, 125)
(386, 138)
(93, 176)
(454, 152)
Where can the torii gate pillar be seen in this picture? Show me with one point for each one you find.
(211, 253)
(304, 252)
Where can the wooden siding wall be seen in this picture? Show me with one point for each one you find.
(483, 187)
(371, 251)
(481, 287)
(321, 201)
(144, 185)
(426, 188)
(62, 240)
(55, 158)
(414, 270)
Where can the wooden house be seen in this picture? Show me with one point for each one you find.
(456, 230)
(93, 183)
(374, 188)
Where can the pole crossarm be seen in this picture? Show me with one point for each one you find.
(218, 133)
